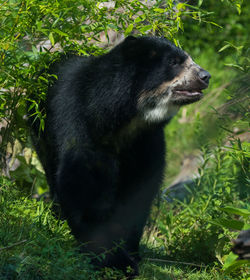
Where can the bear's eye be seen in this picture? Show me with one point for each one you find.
(175, 61)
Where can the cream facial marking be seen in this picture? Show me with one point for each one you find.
(160, 111)
(163, 109)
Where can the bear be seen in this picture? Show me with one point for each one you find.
(103, 146)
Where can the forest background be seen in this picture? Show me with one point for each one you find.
(204, 201)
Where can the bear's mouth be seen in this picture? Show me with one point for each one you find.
(190, 89)
(189, 93)
(182, 97)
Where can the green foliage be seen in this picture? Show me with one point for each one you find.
(232, 21)
(40, 235)
(158, 271)
(36, 245)
(231, 264)
(200, 229)
(231, 260)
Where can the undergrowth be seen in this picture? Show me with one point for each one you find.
(35, 245)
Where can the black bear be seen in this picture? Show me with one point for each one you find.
(103, 147)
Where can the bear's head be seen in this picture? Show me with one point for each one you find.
(166, 77)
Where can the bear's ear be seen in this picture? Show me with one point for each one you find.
(130, 47)
(137, 49)
(130, 38)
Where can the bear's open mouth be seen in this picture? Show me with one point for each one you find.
(182, 97)
(190, 92)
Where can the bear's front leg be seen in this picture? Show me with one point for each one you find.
(86, 190)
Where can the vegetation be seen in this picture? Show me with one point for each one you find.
(189, 238)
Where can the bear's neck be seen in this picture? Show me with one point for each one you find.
(123, 138)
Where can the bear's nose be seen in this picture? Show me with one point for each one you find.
(204, 76)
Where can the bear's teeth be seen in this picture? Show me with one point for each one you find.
(193, 93)
(188, 93)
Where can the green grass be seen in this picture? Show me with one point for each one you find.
(153, 271)
(35, 245)
(44, 247)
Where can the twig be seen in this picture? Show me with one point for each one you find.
(167, 261)
(13, 245)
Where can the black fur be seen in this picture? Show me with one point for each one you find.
(103, 162)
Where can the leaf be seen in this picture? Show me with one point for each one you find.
(42, 124)
(234, 65)
(230, 224)
(213, 23)
(145, 28)
(159, 10)
(180, 6)
(61, 33)
(232, 263)
(129, 29)
(179, 23)
(34, 49)
(224, 47)
(238, 7)
(51, 38)
(246, 227)
(231, 257)
(236, 211)
(43, 79)
(140, 18)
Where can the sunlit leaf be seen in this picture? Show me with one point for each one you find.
(51, 38)
(223, 48)
(236, 211)
(129, 29)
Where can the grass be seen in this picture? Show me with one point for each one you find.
(34, 245)
(171, 272)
